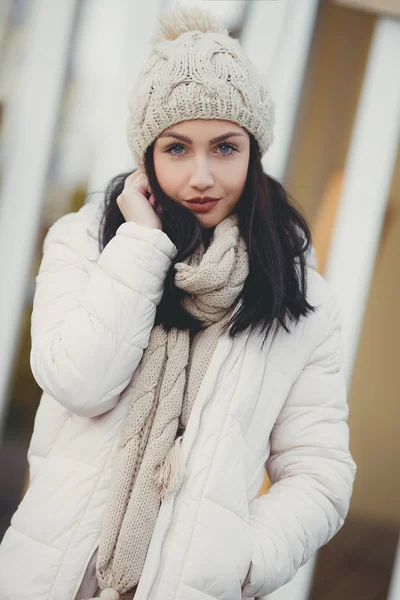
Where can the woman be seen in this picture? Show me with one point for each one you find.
(184, 342)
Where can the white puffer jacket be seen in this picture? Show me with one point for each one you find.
(282, 406)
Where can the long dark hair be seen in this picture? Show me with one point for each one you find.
(277, 238)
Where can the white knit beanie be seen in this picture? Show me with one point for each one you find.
(196, 71)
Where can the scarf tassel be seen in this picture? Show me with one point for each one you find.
(108, 594)
(171, 470)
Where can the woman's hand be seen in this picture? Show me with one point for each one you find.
(137, 202)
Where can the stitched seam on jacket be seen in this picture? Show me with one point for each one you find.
(331, 327)
(112, 331)
(224, 507)
(265, 573)
(311, 352)
(191, 587)
(53, 443)
(83, 515)
(137, 290)
(205, 485)
(284, 542)
(58, 240)
(31, 537)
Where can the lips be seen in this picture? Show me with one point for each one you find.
(202, 200)
(202, 205)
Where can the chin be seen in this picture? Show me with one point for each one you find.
(208, 221)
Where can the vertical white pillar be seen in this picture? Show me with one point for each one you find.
(277, 38)
(125, 34)
(5, 11)
(34, 117)
(366, 184)
(394, 589)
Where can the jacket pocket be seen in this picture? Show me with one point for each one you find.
(247, 579)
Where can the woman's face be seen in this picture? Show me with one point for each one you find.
(203, 158)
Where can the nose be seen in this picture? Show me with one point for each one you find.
(201, 177)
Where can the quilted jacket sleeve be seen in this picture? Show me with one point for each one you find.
(89, 331)
(310, 468)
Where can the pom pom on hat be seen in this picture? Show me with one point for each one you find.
(181, 19)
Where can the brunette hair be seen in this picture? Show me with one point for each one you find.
(277, 238)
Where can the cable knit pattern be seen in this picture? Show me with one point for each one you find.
(162, 397)
(197, 71)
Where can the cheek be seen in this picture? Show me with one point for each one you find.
(235, 180)
(166, 176)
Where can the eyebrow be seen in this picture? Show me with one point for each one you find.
(186, 139)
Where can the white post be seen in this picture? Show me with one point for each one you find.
(269, 26)
(366, 184)
(126, 34)
(394, 589)
(34, 120)
(5, 11)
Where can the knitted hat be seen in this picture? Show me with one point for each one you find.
(196, 71)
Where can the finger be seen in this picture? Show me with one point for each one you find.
(140, 181)
(157, 207)
(140, 185)
(133, 177)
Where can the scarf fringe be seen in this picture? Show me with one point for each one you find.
(171, 471)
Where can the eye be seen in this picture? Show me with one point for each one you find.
(173, 147)
(225, 149)
(230, 148)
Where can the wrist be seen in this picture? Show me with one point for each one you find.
(147, 225)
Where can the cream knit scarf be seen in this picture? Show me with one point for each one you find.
(148, 465)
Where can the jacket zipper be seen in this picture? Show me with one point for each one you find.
(183, 481)
(84, 571)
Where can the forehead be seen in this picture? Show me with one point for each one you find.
(203, 129)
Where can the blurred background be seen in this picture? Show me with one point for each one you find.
(66, 72)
